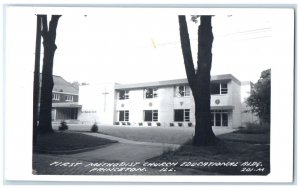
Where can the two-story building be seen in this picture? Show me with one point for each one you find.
(164, 103)
(64, 100)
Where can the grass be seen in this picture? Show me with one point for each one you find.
(64, 142)
(150, 134)
(233, 147)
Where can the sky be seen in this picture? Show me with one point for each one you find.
(98, 45)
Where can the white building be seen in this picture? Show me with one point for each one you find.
(164, 103)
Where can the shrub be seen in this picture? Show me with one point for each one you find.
(190, 124)
(94, 128)
(117, 123)
(63, 126)
(140, 124)
(149, 123)
(123, 123)
(254, 128)
(158, 124)
(171, 124)
(128, 123)
(180, 124)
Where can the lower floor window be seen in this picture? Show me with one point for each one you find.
(182, 115)
(150, 115)
(219, 118)
(124, 115)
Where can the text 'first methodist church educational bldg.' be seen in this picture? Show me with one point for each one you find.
(163, 103)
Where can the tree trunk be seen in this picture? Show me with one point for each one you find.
(200, 81)
(49, 36)
(36, 81)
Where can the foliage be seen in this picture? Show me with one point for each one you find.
(260, 97)
(94, 128)
(254, 128)
(63, 126)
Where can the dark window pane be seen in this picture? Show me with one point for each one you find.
(181, 90)
(149, 93)
(148, 115)
(121, 116)
(215, 88)
(218, 119)
(178, 115)
(225, 119)
(122, 95)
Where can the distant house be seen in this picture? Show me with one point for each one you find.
(64, 100)
(164, 103)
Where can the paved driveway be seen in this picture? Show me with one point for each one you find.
(123, 151)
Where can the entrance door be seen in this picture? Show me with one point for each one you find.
(219, 118)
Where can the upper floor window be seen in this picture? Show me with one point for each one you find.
(218, 88)
(150, 93)
(69, 98)
(182, 90)
(55, 96)
(124, 94)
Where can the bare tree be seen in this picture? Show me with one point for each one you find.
(199, 80)
(49, 36)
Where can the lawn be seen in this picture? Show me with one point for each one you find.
(170, 135)
(68, 142)
(236, 147)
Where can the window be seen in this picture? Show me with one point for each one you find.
(150, 93)
(150, 115)
(55, 96)
(182, 90)
(218, 88)
(124, 115)
(69, 98)
(224, 89)
(219, 118)
(124, 94)
(182, 115)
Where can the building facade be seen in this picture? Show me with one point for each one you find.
(164, 103)
(64, 100)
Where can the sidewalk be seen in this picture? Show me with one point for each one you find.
(124, 150)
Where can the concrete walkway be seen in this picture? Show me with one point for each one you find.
(127, 150)
(124, 150)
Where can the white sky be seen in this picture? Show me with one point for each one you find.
(115, 45)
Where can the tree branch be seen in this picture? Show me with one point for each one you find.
(186, 49)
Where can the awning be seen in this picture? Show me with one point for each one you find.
(66, 105)
(222, 107)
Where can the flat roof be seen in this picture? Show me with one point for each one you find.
(225, 77)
